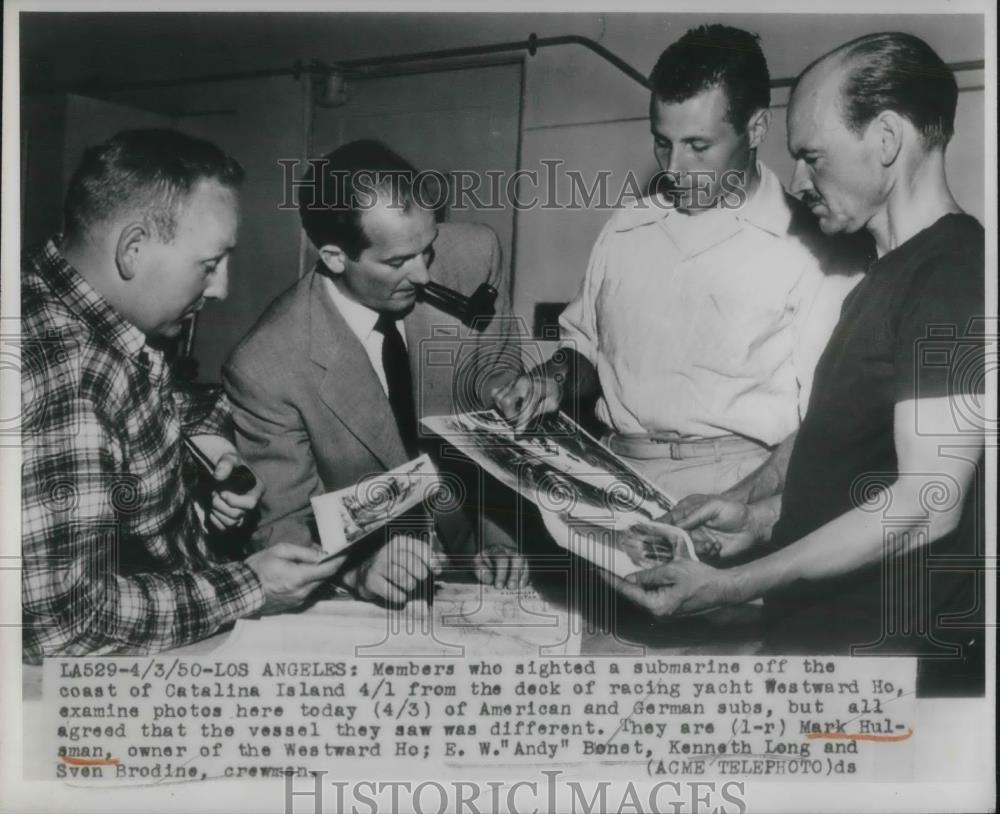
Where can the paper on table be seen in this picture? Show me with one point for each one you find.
(464, 620)
(345, 516)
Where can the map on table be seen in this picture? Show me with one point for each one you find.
(464, 620)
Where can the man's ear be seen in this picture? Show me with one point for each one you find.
(890, 133)
(758, 126)
(129, 247)
(333, 258)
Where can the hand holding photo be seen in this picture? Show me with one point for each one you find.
(347, 515)
(556, 464)
(622, 549)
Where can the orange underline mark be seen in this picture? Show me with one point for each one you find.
(853, 736)
(90, 761)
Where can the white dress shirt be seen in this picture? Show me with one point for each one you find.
(361, 320)
(705, 325)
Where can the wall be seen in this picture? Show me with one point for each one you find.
(452, 120)
(43, 135)
(257, 121)
(581, 110)
(576, 108)
(55, 131)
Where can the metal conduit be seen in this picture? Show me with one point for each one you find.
(360, 68)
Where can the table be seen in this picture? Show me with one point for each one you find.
(607, 626)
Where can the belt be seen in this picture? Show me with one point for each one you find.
(677, 447)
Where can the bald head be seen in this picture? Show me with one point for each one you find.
(867, 125)
(888, 71)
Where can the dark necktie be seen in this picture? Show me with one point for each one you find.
(396, 364)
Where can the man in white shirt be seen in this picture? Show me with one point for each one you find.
(706, 305)
(329, 385)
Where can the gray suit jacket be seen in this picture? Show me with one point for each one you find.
(310, 414)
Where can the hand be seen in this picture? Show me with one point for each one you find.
(686, 506)
(289, 573)
(227, 509)
(719, 527)
(527, 397)
(661, 537)
(501, 566)
(230, 509)
(677, 588)
(395, 572)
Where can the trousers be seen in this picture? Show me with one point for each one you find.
(683, 465)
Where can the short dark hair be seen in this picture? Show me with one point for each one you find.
(149, 171)
(713, 56)
(899, 72)
(345, 182)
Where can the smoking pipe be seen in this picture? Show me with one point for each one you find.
(474, 311)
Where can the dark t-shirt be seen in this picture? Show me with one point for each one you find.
(911, 329)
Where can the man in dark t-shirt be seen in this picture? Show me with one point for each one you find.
(907, 333)
(863, 533)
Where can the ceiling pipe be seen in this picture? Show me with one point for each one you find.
(360, 68)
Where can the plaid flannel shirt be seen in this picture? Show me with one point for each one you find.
(115, 558)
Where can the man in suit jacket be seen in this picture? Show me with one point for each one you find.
(326, 389)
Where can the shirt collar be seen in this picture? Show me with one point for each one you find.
(645, 211)
(767, 209)
(359, 318)
(81, 299)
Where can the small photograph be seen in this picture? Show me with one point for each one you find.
(622, 551)
(347, 515)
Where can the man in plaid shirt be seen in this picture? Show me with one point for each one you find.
(116, 547)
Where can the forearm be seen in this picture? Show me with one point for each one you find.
(763, 515)
(768, 480)
(83, 611)
(497, 362)
(186, 607)
(498, 352)
(577, 377)
(846, 544)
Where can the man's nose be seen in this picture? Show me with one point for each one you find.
(218, 282)
(417, 272)
(669, 161)
(800, 179)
